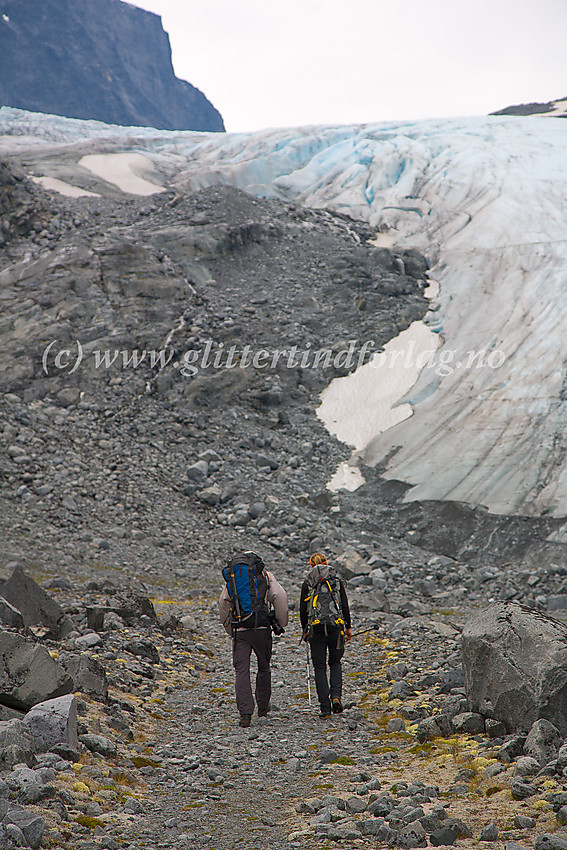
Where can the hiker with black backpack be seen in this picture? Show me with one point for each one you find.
(325, 621)
(252, 605)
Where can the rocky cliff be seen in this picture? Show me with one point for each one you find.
(107, 61)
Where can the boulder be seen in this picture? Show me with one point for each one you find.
(521, 790)
(543, 741)
(88, 641)
(30, 824)
(427, 730)
(88, 674)
(197, 471)
(489, 832)
(53, 722)
(132, 606)
(189, 623)
(210, 495)
(95, 617)
(494, 728)
(28, 673)
(513, 748)
(397, 671)
(515, 666)
(21, 779)
(143, 649)
(375, 600)
(526, 766)
(16, 744)
(548, 841)
(468, 723)
(412, 836)
(401, 690)
(350, 563)
(36, 606)
(99, 744)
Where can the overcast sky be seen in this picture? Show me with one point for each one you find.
(272, 64)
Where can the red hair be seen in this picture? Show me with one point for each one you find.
(317, 558)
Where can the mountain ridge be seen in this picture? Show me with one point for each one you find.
(109, 62)
(551, 109)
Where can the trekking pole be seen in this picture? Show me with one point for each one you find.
(364, 631)
(308, 675)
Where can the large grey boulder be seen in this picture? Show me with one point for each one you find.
(515, 666)
(28, 673)
(36, 606)
(53, 722)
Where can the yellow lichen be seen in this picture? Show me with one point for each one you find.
(81, 788)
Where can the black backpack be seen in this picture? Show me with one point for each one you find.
(324, 608)
(247, 584)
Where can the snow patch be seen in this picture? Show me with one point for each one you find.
(53, 184)
(124, 170)
(347, 477)
(360, 406)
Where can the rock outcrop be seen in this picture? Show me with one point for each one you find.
(107, 61)
(555, 108)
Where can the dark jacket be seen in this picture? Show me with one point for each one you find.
(305, 595)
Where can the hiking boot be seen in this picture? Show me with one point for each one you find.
(325, 715)
(325, 711)
(245, 720)
(337, 706)
(263, 712)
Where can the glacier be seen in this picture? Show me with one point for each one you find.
(483, 198)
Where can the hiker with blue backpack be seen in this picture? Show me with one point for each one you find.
(325, 620)
(252, 605)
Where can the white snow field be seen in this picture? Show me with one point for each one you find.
(125, 170)
(486, 200)
(363, 404)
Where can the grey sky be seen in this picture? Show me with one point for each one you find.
(266, 64)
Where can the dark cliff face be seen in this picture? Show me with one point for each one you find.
(100, 59)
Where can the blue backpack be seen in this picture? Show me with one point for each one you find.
(247, 584)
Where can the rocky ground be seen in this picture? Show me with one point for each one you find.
(163, 763)
(119, 475)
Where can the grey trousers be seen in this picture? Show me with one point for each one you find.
(246, 640)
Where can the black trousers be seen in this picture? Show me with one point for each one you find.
(333, 644)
